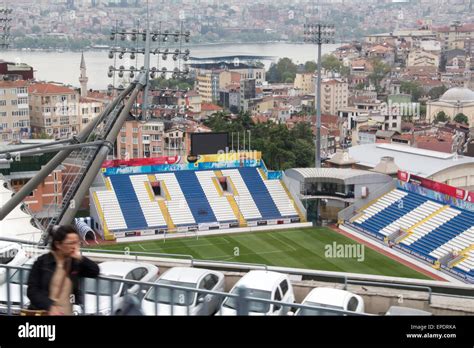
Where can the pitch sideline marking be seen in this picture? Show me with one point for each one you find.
(191, 246)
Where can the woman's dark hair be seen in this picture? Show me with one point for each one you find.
(59, 234)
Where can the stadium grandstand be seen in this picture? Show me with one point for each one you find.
(430, 221)
(215, 192)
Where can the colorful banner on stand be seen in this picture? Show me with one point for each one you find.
(442, 192)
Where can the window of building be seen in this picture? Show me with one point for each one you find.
(135, 141)
(135, 130)
(3, 102)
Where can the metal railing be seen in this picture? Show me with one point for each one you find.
(390, 285)
(113, 296)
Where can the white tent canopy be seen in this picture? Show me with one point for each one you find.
(17, 224)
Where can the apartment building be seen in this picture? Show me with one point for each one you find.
(305, 83)
(54, 110)
(14, 111)
(204, 86)
(140, 139)
(419, 58)
(334, 95)
(455, 36)
(89, 109)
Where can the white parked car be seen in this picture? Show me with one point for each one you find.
(331, 299)
(160, 302)
(266, 285)
(17, 281)
(122, 271)
(11, 254)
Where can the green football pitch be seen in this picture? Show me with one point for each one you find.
(307, 248)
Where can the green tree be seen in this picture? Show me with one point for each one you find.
(331, 63)
(437, 92)
(310, 66)
(461, 118)
(35, 29)
(283, 71)
(380, 70)
(441, 117)
(218, 122)
(412, 88)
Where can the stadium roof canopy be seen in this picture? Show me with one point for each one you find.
(347, 176)
(424, 163)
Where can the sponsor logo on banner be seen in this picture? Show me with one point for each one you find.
(119, 234)
(224, 226)
(129, 234)
(272, 222)
(148, 233)
(403, 176)
(252, 223)
(182, 229)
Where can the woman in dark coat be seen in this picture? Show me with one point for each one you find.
(53, 283)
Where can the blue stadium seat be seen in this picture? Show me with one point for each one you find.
(195, 197)
(260, 193)
(127, 198)
(392, 213)
(444, 233)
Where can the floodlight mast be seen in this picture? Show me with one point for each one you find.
(319, 34)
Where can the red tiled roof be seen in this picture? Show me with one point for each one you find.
(259, 119)
(463, 29)
(49, 88)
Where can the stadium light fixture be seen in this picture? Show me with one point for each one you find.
(149, 37)
(5, 27)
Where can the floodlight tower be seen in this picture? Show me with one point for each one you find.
(319, 34)
(5, 26)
